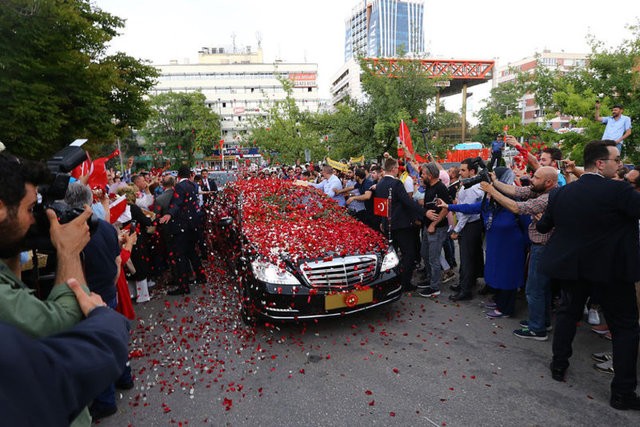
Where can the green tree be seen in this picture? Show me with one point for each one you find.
(404, 95)
(286, 131)
(57, 84)
(180, 125)
(611, 74)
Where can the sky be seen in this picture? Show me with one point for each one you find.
(313, 31)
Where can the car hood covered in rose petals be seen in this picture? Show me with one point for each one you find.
(280, 218)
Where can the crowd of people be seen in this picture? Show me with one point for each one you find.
(144, 228)
(554, 230)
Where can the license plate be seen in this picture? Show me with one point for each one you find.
(348, 299)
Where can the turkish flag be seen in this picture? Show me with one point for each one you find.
(381, 206)
(404, 136)
(83, 168)
(117, 208)
(98, 177)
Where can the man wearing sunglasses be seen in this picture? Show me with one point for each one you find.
(595, 244)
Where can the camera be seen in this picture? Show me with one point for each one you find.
(482, 176)
(50, 195)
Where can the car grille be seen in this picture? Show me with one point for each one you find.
(340, 272)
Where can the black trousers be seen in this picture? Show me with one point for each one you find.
(471, 258)
(618, 300)
(404, 241)
(187, 259)
(496, 156)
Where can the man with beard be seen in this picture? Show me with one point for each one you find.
(533, 202)
(404, 211)
(18, 305)
(618, 126)
(468, 231)
(595, 245)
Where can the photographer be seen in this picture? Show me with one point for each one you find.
(468, 231)
(534, 202)
(506, 248)
(18, 306)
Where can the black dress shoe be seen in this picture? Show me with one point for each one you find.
(557, 374)
(460, 297)
(178, 291)
(625, 401)
(99, 410)
(124, 385)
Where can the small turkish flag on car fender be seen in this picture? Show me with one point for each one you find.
(381, 206)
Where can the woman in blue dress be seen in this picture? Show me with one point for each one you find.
(507, 242)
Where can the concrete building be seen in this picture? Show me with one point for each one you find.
(561, 61)
(346, 82)
(239, 86)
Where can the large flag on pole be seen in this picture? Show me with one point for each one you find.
(98, 177)
(96, 170)
(404, 137)
(404, 140)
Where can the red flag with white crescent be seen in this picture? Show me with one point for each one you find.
(98, 176)
(84, 168)
(404, 136)
(117, 208)
(381, 206)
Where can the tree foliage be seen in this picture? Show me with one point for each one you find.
(57, 84)
(611, 75)
(180, 125)
(403, 96)
(286, 131)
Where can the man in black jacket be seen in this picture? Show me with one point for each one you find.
(209, 188)
(595, 243)
(404, 212)
(185, 220)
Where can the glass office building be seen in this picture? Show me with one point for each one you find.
(385, 28)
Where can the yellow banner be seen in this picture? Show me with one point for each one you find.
(337, 165)
(353, 160)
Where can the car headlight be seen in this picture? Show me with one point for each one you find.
(269, 273)
(390, 260)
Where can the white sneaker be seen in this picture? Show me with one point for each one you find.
(593, 318)
(151, 283)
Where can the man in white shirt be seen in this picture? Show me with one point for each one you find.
(468, 231)
(330, 185)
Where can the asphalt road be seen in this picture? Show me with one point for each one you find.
(417, 362)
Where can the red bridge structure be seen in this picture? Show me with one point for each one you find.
(454, 75)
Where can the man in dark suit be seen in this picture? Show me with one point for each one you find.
(595, 244)
(404, 212)
(185, 220)
(209, 189)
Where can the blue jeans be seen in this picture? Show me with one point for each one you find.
(108, 396)
(432, 246)
(538, 292)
